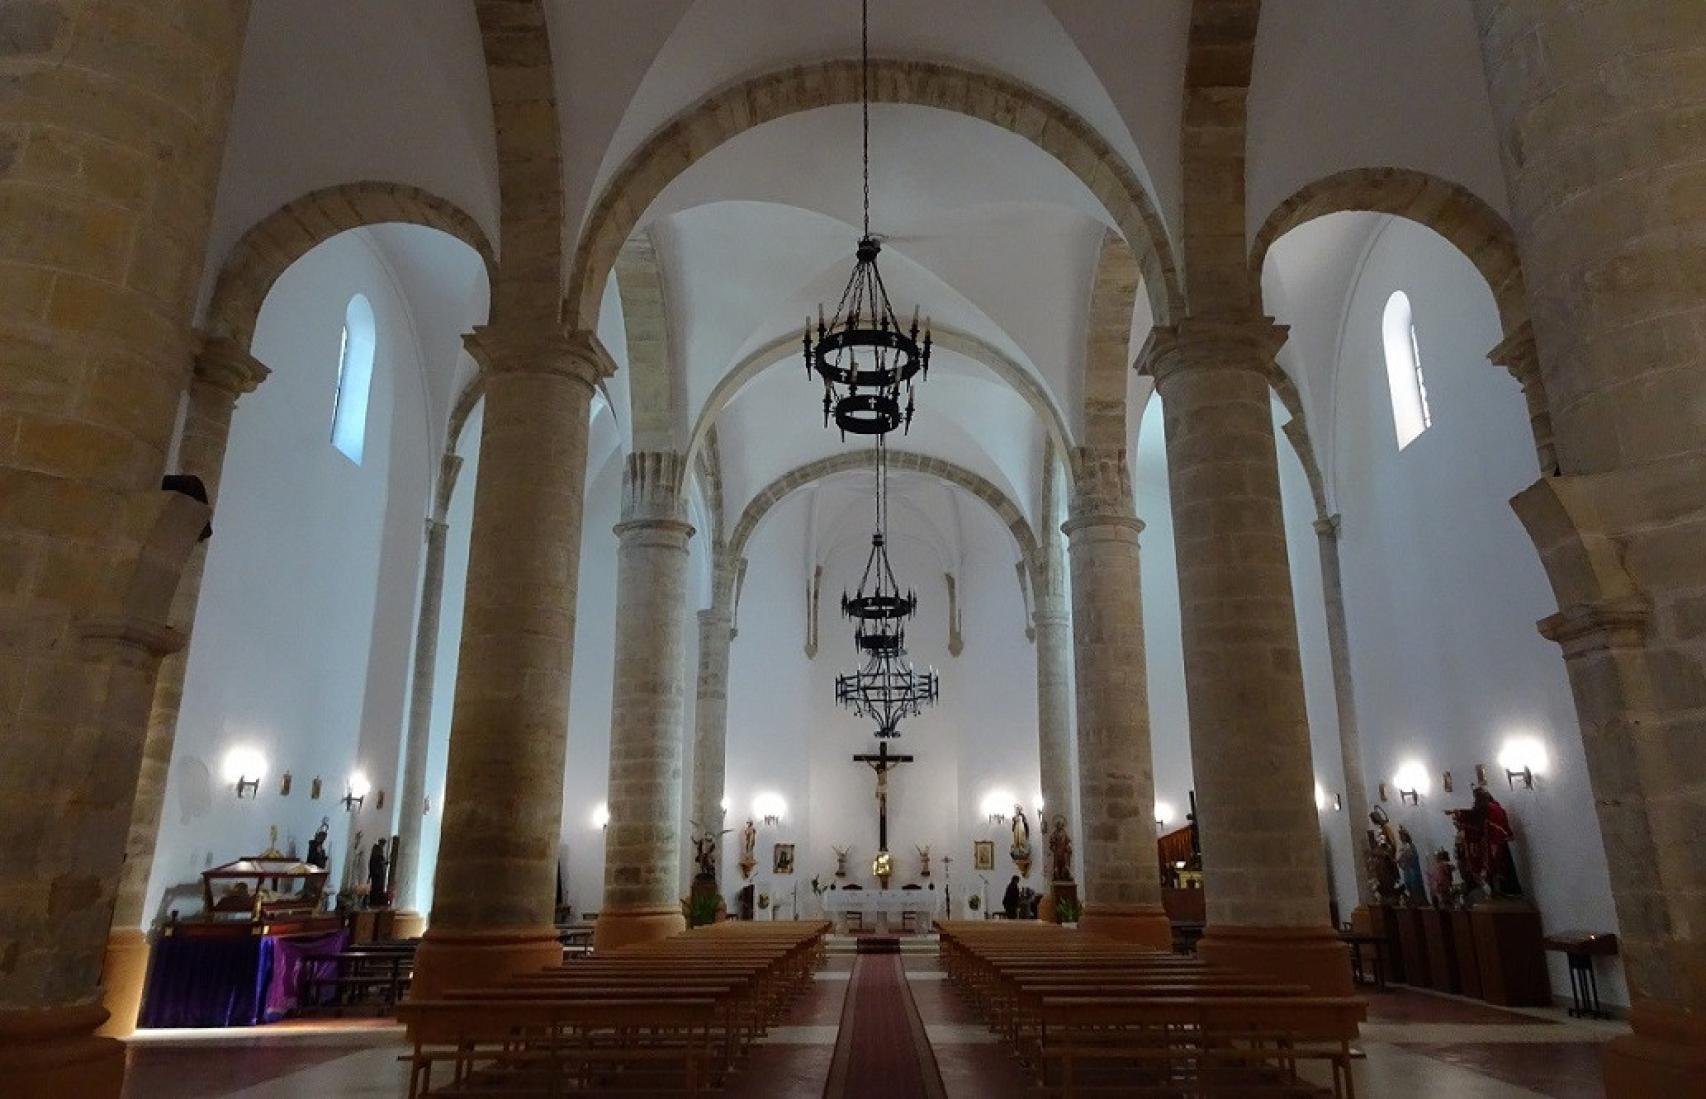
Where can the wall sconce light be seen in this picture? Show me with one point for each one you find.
(601, 816)
(1523, 757)
(724, 804)
(284, 785)
(994, 806)
(1338, 804)
(1320, 799)
(769, 807)
(356, 791)
(1164, 813)
(244, 768)
(1411, 782)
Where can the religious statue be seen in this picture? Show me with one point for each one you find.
(377, 872)
(924, 861)
(1410, 868)
(1440, 879)
(882, 868)
(748, 849)
(1021, 849)
(317, 846)
(1484, 835)
(1059, 851)
(840, 861)
(1382, 867)
(705, 854)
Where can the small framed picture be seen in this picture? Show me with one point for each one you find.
(782, 859)
(983, 855)
(1480, 774)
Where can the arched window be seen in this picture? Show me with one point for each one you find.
(1410, 413)
(355, 379)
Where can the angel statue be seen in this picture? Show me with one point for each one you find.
(924, 861)
(705, 852)
(840, 861)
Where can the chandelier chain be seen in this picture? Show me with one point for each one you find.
(865, 103)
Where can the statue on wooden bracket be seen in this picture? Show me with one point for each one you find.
(1021, 849)
(748, 849)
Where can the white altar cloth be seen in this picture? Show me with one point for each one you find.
(879, 905)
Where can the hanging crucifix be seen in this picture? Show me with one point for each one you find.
(882, 763)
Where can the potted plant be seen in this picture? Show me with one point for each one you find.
(1067, 911)
(702, 909)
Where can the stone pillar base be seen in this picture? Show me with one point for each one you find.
(408, 925)
(1141, 924)
(636, 925)
(123, 974)
(55, 1054)
(1311, 956)
(480, 959)
(1666, 1055)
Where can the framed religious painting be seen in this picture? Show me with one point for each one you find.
(983, 855)
(782, 859)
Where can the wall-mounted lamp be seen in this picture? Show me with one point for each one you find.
(1411, 782)
(724, 804)
(770, 807)
(1164, 813)
(356, 791)
(601, 816)
(1320, 799)
(994, 806)
(1338, 803)
(1523, 757)
(244, 768)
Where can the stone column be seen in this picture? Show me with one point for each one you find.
(1611, 244)
(1050, 626)
(411, 801)
(1344, 700)
(711, 710)
(642, 846)
(494, 893)
(115, 116)
(1116, 776)
(223, 373)
(1250, 753)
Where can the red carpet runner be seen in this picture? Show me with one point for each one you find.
(882, 1049)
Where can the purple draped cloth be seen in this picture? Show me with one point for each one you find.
(194, 982)
(290, 968)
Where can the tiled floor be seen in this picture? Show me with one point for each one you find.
(1417, 1046)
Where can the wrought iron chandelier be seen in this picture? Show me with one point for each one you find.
(886, 688)
(866, 360)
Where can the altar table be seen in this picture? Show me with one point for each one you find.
(882, 904)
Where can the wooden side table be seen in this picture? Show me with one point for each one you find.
(1580, 948)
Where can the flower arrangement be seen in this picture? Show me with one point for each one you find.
(1067, 910)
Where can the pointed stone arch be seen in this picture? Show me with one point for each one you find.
(1021, 110)
(281, 238)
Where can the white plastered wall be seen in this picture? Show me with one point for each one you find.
(306, 618)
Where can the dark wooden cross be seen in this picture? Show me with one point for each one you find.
(882, 763)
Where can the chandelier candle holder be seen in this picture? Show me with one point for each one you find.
(865, 358)
(886, 688)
